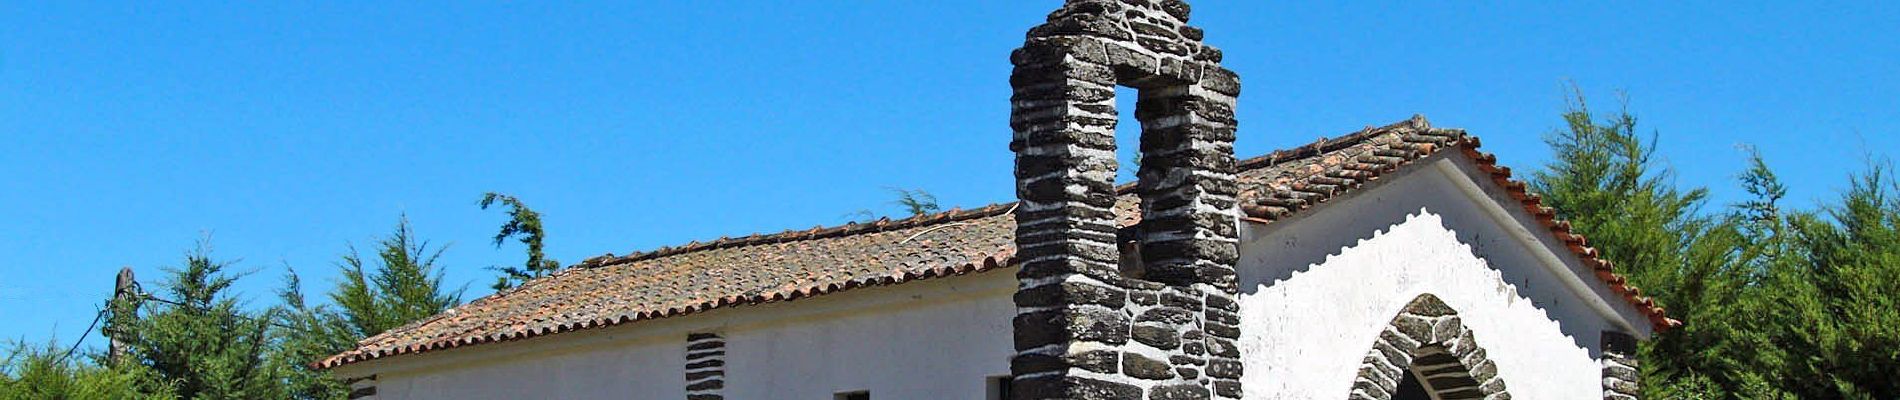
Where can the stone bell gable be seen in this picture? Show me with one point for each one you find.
(1086, 327)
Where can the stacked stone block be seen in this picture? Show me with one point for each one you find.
(1429, 338)
(705, 366)
(1084, 330)
(1620, 367)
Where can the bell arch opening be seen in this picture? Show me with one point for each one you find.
(1121, 300)
(1426, 353)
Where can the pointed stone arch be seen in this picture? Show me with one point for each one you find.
(1428, 338)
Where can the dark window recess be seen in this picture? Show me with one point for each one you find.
(999, 388)
(859, 395)
(1411, 389)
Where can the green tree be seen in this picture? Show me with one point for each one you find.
(1835, 294)
(50, 372)
(196, 337)
(307, 333)
(1604, 178)
(524, 224)
(1778, 302)
(405, 285)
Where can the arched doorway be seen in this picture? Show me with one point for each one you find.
(1426, 353)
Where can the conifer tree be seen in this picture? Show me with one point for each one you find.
(404, 285)
(196, 337)
(52, 372)
(1835, 293)
(1605, 180)
(1778, 303)
(524, 224)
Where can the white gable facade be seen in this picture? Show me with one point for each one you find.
(1319, 291)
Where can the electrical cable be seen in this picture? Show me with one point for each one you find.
(82, 336)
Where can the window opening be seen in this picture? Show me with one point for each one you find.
(999, 388)
(1411, 389)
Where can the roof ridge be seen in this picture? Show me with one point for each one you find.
(816, 232)
(1326, 144)
(1321, 146)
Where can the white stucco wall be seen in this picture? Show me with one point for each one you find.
(609, 372)
(910, 350)
(932, 339)
(1317, 291)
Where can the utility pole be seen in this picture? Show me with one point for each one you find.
(124, 307)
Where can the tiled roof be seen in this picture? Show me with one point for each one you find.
(790, 265)
(1286, 182)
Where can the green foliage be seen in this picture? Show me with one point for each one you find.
(44, 372)
(309, 333)
(1763, 211)
(1605, 180)
(404, 286)
(1836, 292)
(1777, 303)
(911, 202)
(198, 339)
(915, 202)
(524, 224)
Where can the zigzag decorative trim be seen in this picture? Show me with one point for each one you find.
(1419, 140)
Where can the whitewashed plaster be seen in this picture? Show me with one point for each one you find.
(653, 368)
(932, 339)
(933, 351)
(1317, 291)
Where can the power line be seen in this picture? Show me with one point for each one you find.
(82, 336)
(142, 295)
(148, 296)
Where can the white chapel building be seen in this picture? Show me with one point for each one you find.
(1397, 262)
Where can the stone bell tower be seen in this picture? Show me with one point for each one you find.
(1084, 329)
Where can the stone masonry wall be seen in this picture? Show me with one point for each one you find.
(705, 366)
(1083, 330)
(1620, 367)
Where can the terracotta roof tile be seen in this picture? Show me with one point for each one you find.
(1289, 181)
(755, 269)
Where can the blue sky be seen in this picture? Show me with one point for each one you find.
(287, 131)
